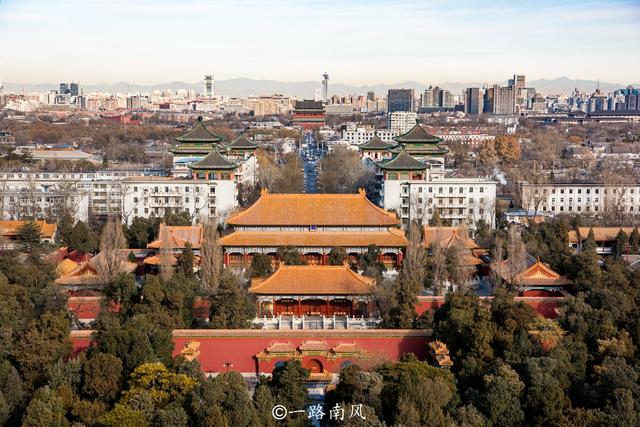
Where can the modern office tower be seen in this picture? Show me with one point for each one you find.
(208, 86)
(64, 88)
(371, 96)
(325, 87)
(74, 89)
(597, 102)
(504, 100)
(399, 100)
(435, 97)
(488, 99)
(472, 101)
(428, 98)
(518, 82)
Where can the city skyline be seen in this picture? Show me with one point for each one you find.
(99, 42)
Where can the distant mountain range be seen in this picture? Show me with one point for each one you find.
(243, 87)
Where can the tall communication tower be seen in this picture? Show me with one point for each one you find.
(208, 86)
(325, 87)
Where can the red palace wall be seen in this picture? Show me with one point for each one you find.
(222, 349)
(543, 305)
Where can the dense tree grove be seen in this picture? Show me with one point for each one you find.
(510, 367)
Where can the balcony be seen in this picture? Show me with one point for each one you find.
(315, 322)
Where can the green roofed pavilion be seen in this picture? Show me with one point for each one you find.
(403, 162)
(418, 142)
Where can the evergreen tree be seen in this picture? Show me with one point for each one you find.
(29, 237)
(261, 265)
(634, 240)
(290, 255)
(228, 304)
(287, 384)
(590, 242)
(337, 256)
(370, 264)
(83, 239)
(185, 262)
(45, 409)
(620, 246)
(503, 389)
(65, 228)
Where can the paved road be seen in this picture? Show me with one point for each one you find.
(311, 154)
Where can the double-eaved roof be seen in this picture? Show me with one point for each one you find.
(402, 161)
(313, 280)
(241, 143)
(417, 134)
(179, 236)
(213, 161)
(199, 133)
(313, 210)
(375, 144)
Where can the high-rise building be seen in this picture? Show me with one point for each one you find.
(400, 100)
(208, 86)
(325, 87)
(64, 88)
(504, 100)
(371, 96)
(435, 97)
(518, 82)
(472, 101)
(74, 89)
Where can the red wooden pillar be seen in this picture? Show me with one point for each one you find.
(328, 308)
(353, 306)
(325, 259)
(299, 314)
(245, 257)
(225, 259)
(259, 308)
(399, 258)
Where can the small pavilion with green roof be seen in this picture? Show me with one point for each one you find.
(403, 166)
(214, 166)
(194, 145)
(240, 148)
(421, 144)
(375, 148)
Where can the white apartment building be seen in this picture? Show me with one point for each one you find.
(361, 135)
(95, 193)
(402, 121)
(155, 196)
(459, 200)
(581, 198)
(42, 203)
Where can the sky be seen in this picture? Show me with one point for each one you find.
(355, 41)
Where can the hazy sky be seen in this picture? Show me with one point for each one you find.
(357, 42)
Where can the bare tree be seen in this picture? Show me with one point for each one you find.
(342, 171)
(110, 261)
(516, 263)
(439, 263)
(458, 270)
(166, 255)
(414, 267)
(210, 256)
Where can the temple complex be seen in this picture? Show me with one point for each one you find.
(313, 224)
(311, 290)
(193, 146)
